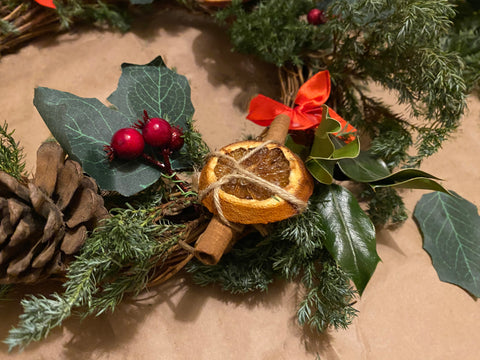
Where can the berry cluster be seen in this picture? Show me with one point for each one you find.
(128, 143)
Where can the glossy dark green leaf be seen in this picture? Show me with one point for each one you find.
(364, 168)
(410, 179)
(350, 237)
(450, 226)
(368, 169)
(84, 125)
(347, 151)
(299, 149)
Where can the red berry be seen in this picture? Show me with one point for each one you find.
(177, 140)
(157, 132)
(127, 143)
(316, 17)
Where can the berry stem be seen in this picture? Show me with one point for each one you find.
(166, 168)
(155, 162)
(166, 160)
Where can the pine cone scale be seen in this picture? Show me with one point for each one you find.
(50, 158)
(68, 180)
(73, 240)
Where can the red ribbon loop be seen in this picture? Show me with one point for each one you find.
(47, 3)
(307, 112)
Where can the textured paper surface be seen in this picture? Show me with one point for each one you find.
(405, 312)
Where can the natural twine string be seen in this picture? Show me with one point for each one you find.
(239, 172)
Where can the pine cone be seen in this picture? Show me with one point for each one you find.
(45, 221)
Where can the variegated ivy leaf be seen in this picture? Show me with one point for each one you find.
(326, 151)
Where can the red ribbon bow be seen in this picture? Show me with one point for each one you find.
(47, 3)
(308, 110)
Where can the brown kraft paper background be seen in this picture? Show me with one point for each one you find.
(406, 312)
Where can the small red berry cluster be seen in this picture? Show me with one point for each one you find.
(128, 143)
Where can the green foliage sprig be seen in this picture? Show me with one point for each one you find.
(464, 39)
(117, 259)
(293, 251)
(70, 11)
(12, 159)
(408, 47)
(395, 44)
(272, 30)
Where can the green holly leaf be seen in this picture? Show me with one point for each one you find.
(327, 149)
(350, 237)
(84, 125)
(450, 226)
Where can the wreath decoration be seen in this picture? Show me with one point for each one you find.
(150, 217)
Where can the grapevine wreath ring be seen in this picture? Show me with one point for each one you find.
(327, 149)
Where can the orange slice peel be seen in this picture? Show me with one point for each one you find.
(255, 182)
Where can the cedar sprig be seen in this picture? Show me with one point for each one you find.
(385, 206)
(70, 11)
(246, 268)
(328, 301)
(396, 44)
(273, 31)
(293, 250)
(12, 158)
(117, 259)
(194, 150)
(464, 39)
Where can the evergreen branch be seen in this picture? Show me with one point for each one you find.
(397, 44)
(274, 31)
(117, 258)
(329, 298)
(39, 317)
(384, 48)
(464, 39)
(294, 249)
(195, 150)
(12, 159)
(385, 206)
(70, 11)
(245, 269)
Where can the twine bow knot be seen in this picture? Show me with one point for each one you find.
(240, 172)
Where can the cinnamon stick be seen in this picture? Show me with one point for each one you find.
(218, 237)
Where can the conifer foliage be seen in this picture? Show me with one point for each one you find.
(396, 44)
(407, 47)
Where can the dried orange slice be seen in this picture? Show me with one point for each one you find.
(245, 201)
